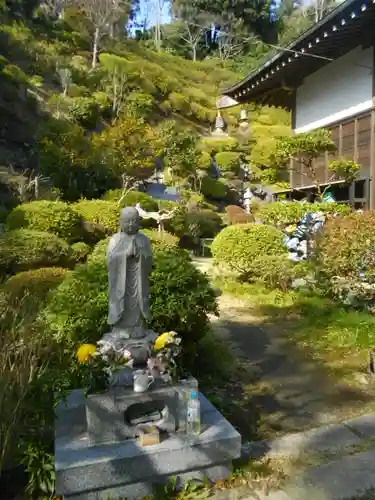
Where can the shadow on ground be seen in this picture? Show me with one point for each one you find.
(278, 387)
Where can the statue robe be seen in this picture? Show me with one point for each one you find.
(129, 261)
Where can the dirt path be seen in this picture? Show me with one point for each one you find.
(278, 388)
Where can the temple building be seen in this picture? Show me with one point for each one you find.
(326, 79)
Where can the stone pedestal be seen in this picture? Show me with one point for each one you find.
(86, 470)
(113, 416)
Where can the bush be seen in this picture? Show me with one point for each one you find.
(181, 299)
(203, 223)
(131, 199)
(24, 249)
(80, 251)
(292, 211)
(237, 215)
(22, 295)
(84, 111)
(345, 248)
(160, 240)
(237, 247)
(54, 217)
(100, 212)
(276, 271)
(214, 189)
(228, 162)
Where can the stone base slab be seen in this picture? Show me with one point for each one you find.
(125, 469)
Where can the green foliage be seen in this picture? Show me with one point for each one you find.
(40, 468)
(218, 145)
(345, 169)
(345, 247)
(180, 300)
(24, 249)
(23, 294)
(54, 217)
(80, 251)
(280, 213)
(203, 223)
(228, 162)
(131, 199)
(238, 246)
(275, 271)
(141, 103)
(104, 213)
(125, 148)
(68, 157)
(306, 146)
(177, 148)
(84, 111)
(213, 189)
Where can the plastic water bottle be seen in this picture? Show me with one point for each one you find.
(193, 417)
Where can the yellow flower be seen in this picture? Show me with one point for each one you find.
(163, 339)
(85, 352)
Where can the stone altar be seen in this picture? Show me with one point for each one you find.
(123, 469)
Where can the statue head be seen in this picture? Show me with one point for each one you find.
(130, 220)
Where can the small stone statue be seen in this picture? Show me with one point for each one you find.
(129, 261)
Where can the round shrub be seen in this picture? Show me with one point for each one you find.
(162, 240)
(228, 161)
(54, 217)
(100, 212)
(24, 249)
(237, 215)
(131, 199)
(181, 299)
(80, 251)
(214, 189)
(238, 246)
(290, 212)
(276, 271)
(22, 295)
(203, 223)
(346, 247)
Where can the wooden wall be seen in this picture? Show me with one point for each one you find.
(355, 140)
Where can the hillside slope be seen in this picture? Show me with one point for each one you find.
(54, 106)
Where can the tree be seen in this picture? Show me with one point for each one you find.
(116, 67)
(65, 78)
(126, 148)
(102, 14)
(299, 151)
(177, 149)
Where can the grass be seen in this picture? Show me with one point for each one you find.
(333, 335)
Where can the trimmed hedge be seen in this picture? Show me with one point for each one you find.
(22, 295)
(54, 217)
(292, 211)
(131, 199)
(25, 249)
(181, 299)
(228, 161)
(214, 189)
(238, 246)
(162, 240)
(100, 212)
(80, 251)
(346, 247)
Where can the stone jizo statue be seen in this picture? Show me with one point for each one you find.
(129, 261)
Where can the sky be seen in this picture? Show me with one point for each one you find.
(148, 10)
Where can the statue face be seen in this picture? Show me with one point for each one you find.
(130, 221)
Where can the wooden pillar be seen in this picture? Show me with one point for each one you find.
(372, 138)
(294, 121)
(372, 160)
